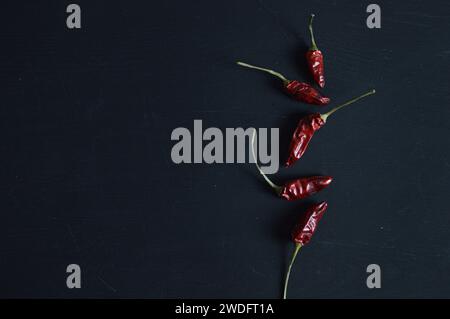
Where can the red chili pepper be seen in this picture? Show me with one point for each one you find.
(306, 93)
(300, 91)
(306, 128)
(302, 135)
(304, 187)
(315, 58)
(303, 232)
(298, 188)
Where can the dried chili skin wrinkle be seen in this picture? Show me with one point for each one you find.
(308, 125)
(300, 91)
(304, 187)
(304, 92)
(298, 188)
(305, 130)
(302, 233)
(306, 227)
(314, 57)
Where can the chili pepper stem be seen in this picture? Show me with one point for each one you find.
(313, 41)
(274, 73)
(288, 273)
(326, 115)
(275, 187)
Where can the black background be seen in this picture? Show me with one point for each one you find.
(87, 177)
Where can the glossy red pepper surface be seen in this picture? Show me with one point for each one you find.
(315, 63)
(304, 92)
(305, 130)
(305, 229)
(304, 187)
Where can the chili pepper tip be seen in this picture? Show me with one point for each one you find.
(305, 229)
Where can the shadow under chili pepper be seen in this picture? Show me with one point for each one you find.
(280, 229)
(276, 85)
(281, 226)
(298, 57)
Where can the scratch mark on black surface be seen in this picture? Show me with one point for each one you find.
(69, 228)
(257, 272)
(275, 16)
(356, 245)
(422, 15)
(107, 284)
(406, 22)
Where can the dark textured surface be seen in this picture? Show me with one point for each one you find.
(86, 175)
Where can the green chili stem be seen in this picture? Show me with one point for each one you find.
(313, 41)
(275, 187)
(294, 256)
(278, 75)
(326, 115)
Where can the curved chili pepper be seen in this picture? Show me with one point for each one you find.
(306, 93)
(304, 187)
(315, 58)
(298, 188)
(300, 91)
(306, 128)
(303, 232)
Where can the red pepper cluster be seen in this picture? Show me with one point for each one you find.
(307, 126)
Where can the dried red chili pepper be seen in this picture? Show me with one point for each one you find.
(315, 58)
(303, 232)
(298, 188)
(300, 91)
(304, 92)
(306, 128)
